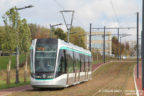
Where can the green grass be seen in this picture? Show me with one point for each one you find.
(5, 86)
(4, 61)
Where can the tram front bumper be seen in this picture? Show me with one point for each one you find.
(49, 83)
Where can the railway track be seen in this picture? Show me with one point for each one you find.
(108, 90)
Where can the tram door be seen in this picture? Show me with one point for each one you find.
(70, 67)
(67, 68)
(74, 63)
(77, 66)
(86, 67)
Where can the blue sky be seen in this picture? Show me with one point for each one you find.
(98, 12)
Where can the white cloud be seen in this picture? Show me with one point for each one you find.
(113, 24)
(4, 4)
(97, 9)
(14, 2)
(99, 12)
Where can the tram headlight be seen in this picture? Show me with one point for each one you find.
(38, 77)
(42, 76)
(50, 76)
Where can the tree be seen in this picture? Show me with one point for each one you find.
(25, 38)
(38, 31)
(10, 19)
(98, 54)
(127, 49)
(133, 50)
(78, 36)
(2, 36)
(33, 30)
(115, 46)
(60, 33)
(122, 49)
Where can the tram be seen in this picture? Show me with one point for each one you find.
(57, 64)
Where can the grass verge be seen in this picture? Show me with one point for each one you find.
(5, 86)
(4, 61)
(3, 75)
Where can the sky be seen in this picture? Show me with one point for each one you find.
(109, 13)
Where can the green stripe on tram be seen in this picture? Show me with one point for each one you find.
(66, 48)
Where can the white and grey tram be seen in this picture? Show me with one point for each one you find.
(58, 64)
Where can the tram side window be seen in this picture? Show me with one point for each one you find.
(77, 61)
(74, 61)
(82, 62)
(86, 62)
(61, 63)
(90, 62)
(69, 60)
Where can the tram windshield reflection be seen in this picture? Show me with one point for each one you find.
(45, 58)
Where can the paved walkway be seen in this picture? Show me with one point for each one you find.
(139, 80)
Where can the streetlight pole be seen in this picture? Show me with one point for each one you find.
(142, 44)
(118, 45)
(17, 49)
(104, 45)
(90, 37)
(137, 44)
(120, 49)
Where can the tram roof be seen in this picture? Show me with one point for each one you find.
(70, 45)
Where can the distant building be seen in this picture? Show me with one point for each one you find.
(97, 42)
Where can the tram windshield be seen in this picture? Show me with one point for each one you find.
(45, 58)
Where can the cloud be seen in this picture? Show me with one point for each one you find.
(96, 10)
(4, 4)
(99, 12)
(7, 4)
